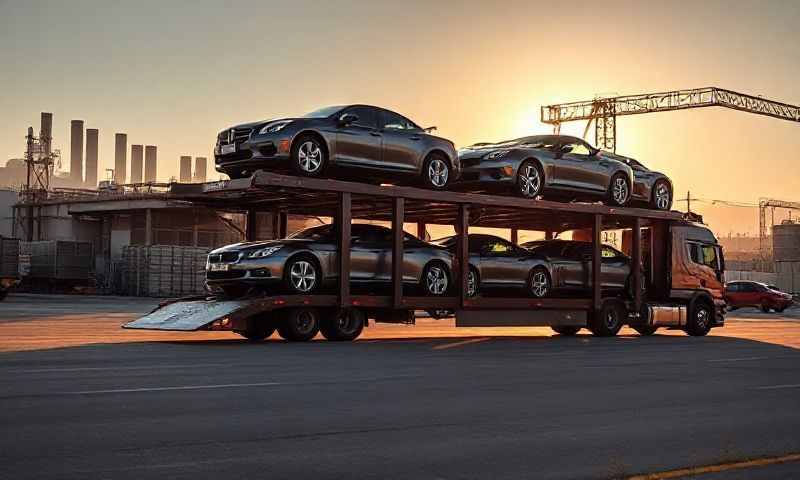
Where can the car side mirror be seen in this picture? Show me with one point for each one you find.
(347, 119)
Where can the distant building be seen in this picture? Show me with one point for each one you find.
(14, 174)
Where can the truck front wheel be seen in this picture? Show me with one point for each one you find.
(700, 316)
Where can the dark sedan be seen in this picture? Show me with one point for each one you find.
(378, 143)
(744, 293)
(497, 265)
(307, 262)
(562, 166)
(570, 265)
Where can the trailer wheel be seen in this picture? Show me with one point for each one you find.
(566, 330)
(645, 330)
(343, 325)
(300, 324)
(700, 318)
(607, 321)
(258, 328)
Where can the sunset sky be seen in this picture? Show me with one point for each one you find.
(174, 73)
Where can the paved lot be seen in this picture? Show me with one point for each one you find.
(82, 398)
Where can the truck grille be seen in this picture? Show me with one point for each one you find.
(233, 135)
(224, 257)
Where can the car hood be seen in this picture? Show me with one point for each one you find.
(259, 123)
(246, 246)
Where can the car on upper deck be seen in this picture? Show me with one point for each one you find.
(562, 166)
(374, 143)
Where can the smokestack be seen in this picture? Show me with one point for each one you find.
(120, 157)
(200, 169)
(150, 163)
(46, 132)
(186, 169)
(137, 152)
(91, 157)
(76, 153)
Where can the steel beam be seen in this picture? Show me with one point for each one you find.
(462, 229)
(636, 262)
(343, 221)
(397, 252)
(597, 228)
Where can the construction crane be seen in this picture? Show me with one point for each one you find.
(772, 204)
(604, 111)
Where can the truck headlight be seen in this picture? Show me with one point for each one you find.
(264, 252)
(273, 127)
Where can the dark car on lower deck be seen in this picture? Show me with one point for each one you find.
(360, 142)
(307, 263)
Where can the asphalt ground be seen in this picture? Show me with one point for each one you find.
(82, 398)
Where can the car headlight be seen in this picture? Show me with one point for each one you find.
(273, 127)
(264, 252)
(496, 154)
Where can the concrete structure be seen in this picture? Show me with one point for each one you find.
(137, 163)
(46, 132)
(786, 242)
(200, 165)
(8, 198)
(185, 169)
(92, 135)
(14, 174)
(120, 157)
(150, 163)
(76, 153)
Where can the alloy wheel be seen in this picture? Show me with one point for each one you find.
(530, 181)
(438, 173)
(436, 280)
(620, 191)
(309, 156)
(472, 284)
(303, 276)
(662, 196)
(540, 284)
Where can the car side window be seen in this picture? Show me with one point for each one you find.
(575, 148)
(608, 252)
(497, 248)
(733, 287)
(367, 117)
(393, 121)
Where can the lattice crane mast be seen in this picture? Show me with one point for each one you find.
(604, 111)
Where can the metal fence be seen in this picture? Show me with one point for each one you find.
(163, 270)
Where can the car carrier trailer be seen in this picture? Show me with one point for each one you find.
(682, 262)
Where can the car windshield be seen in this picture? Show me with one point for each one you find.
(535, 141)
(322, 232)
(324, 112)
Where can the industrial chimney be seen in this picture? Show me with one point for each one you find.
(200, 169)
(120, 157)
(46, 133)
(91, 157)
(150, 163)
(185, 169)
(137, 163)
(76, 153)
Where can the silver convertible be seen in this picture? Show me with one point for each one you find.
(562, 166)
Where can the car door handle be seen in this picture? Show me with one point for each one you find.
(414, 137)
(375, 134)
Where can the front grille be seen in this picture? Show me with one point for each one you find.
(224, 257)
(234, 135)
(234, 157)
(470, 162)
(229, 275)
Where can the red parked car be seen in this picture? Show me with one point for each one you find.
(756, 294)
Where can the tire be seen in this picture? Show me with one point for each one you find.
(777, 310)
(530, 180)
(3, 295)
(661, 198)
(764, 308)
(343, 325)
(300, 324)
(302, 275)
(566, 330)
(700, 318)
(539, 282)
(436, 174)
(608, 320)
(473, 282)
(645, 330)
(619, 191)
(435, 279)
(258, 329)
(309, 156)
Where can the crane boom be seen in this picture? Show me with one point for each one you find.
(605, 110)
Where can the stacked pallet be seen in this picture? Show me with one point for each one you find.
(61, 260)
(9, 258)
(163, 270)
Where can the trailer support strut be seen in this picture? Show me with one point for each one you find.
(636, 253)
(343, 220)
(398, 215)
(597, 227)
